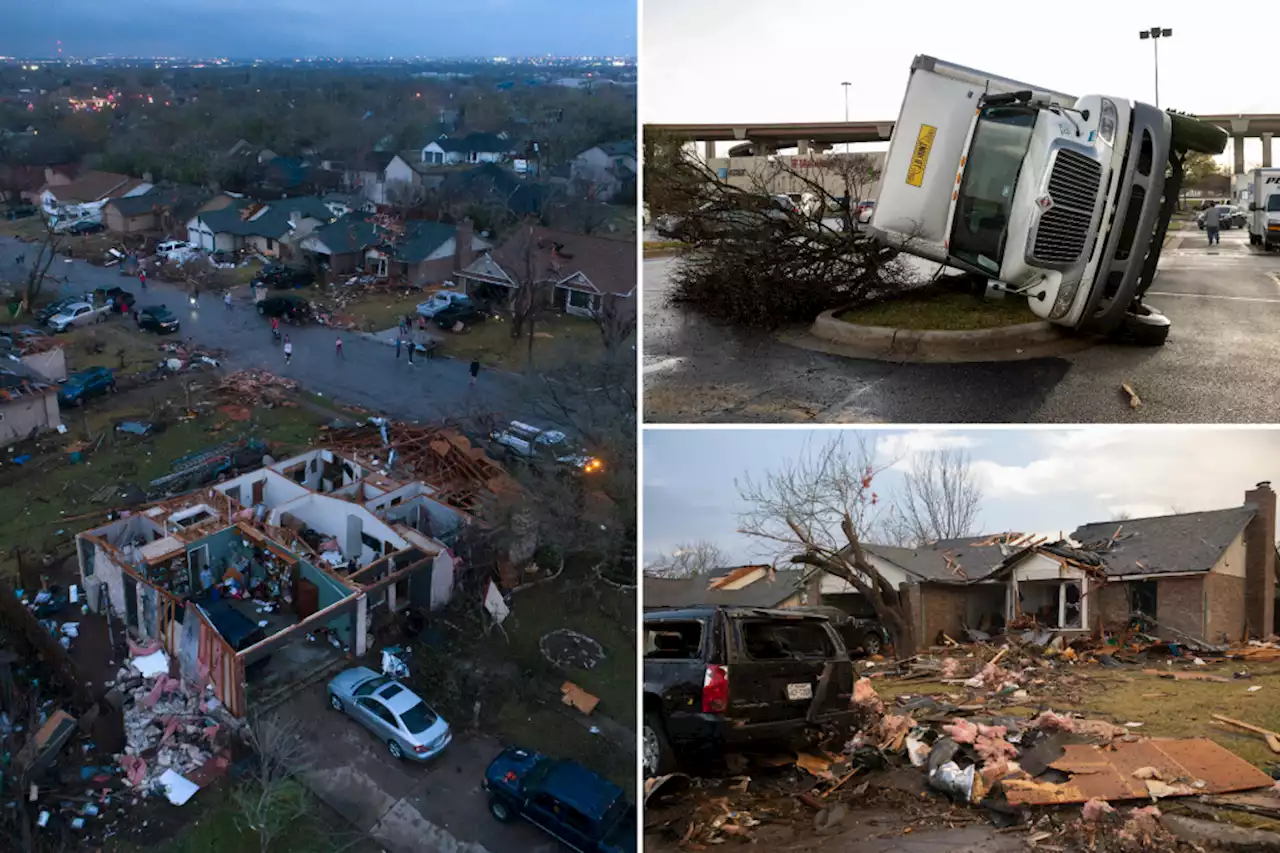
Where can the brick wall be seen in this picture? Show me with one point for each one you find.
(1111, 602)
(1260, 561)
(1225, 601)
(942, 610)
(1180, 604)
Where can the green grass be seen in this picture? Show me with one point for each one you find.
(373, 312)
(115, 344)
(557, 341)
(942, 311)
(36, 497)
(549, 730)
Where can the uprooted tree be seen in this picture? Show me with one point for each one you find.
(758, 261)
(817, 510)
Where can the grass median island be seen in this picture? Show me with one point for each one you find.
(943, 310)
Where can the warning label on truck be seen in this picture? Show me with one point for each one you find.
(920, 156)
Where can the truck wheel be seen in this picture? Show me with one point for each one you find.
(871, 644)
(500, 810)
(659, 758)
(1148, 329)
(1253, 239)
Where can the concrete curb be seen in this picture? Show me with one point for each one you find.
(882, 343)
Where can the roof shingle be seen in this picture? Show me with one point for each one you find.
(1187, 542)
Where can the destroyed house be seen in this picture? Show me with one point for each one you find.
(265, 578)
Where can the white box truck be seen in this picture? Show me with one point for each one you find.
(1059, 198)
(1264, 208)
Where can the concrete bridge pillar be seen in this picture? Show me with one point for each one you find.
(708, 150)
(762, 148)
(1266, 150)
(803, 147)
(1239, 127)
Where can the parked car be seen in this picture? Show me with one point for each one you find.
(527, 443)
(172, 246)
(442, 299)
(85, 385)
(289, 308)
(466, 314)
(78, 314)
(85, 226)
(114, 296)
(408, 725)
(225, 257)
(865, 210)
(718, 678)
(46, 312)
(283, 275)
(562, 798)
(860, 633)
(156, 318)
(1230, 217)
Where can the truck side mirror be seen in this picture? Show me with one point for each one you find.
(1252, 206)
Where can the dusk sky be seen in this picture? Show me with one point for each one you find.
(290, 28)
(1035, 480)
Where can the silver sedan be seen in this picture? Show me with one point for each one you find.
(406, 724)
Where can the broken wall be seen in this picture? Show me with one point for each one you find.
(50, 365)
(1112, 603)
(37, 412)
(101, 574)
(942, 610)
(331, 592)
(1180, 605)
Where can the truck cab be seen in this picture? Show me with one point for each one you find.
(1061, 199)
(1264, 209)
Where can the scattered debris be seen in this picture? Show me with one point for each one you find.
(576, 697)
(1135, 401)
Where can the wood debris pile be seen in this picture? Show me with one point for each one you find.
(257, 387)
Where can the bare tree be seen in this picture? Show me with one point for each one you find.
(275, 797)
(38, 272)
(1121, 515)
(815, 511)
(530, 299)
(939, 499)
(615, 317)
(406, 197)
(687, 560)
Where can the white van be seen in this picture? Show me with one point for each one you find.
(1264, 209)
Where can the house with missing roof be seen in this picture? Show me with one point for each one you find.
(28, 402)
(579, 272)
(84, 196)
(254, 226)
(1207, 577)
(257, 580)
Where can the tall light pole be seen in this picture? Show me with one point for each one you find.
(846, 85)
(1155, 34)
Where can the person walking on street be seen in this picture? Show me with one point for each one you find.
(475, 371)
(1212, 224)
(226, 299)
(142, 279)
(410, 344)
(337, 346)
(21, 260)
(398, 341)
(288, 350)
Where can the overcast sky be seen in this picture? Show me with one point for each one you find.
(290, 28)
(756, 61)
(1035, 481)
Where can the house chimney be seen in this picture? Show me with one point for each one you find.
(462, 254)
(146, 177)
(1260, 561)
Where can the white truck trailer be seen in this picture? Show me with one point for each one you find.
(1264, 208)
(1062, 199)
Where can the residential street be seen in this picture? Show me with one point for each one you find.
(369, 375)
(1219, 365)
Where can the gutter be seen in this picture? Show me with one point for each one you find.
(1157, 576)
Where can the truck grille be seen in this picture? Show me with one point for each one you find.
(1064, 228)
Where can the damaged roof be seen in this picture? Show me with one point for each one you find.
(974, 556)
(684, 592)
(15, 386)
(1164, 544)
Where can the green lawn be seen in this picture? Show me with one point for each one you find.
(557, 340)
(942, 311)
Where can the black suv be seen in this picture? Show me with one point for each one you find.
(718, 678)
(284, 276)
(291, 309)
(858, 632)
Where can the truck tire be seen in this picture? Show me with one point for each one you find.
(656, 753)
(1147, 329)
(1253, 239)
(501, 811)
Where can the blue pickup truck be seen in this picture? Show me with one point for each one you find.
(564, 799)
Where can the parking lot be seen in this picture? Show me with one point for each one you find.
(1219, 365)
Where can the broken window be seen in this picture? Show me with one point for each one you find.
(786, 640)
(1142, 598)
(370, 542)
(673, 641)
(1071, 612)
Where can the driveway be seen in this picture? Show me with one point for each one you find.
(407, 807)
(369, 375)
(1220, 365)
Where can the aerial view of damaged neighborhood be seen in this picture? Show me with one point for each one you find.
(317, 399)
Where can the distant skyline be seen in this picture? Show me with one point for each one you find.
(287, 29)
(1045, 481)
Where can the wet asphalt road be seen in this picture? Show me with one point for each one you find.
(368, 375)
(1221, 363)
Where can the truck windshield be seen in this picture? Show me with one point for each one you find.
(1000, 141)
(1273, 203)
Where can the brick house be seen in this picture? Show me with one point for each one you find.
(579, 271)
(163, 208)
(1209, 576)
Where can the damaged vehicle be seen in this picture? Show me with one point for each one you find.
(718, 678)
(562, 798)
(524, 442)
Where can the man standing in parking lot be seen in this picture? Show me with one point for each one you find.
(1212, 224)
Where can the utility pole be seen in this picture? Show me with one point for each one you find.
(1155, 34)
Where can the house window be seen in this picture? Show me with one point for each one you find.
(1142, 598)
(370, 542)
(584, 301)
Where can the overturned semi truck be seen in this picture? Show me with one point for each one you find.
(1063, 200)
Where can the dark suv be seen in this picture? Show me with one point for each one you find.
(718, 678)
(564, 799)
(284, 276)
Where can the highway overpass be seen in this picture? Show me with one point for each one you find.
(765, 139)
